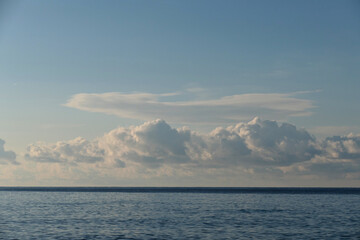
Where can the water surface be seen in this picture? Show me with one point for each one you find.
(185, 214)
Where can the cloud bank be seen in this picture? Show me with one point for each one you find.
(6, 156)
(257, 146)
(224, 110)
(74, 151)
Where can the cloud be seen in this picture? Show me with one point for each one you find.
(326, 131)
(269, 144)
(152, 144)
(342, 147)
(224, 110)
(258, 147)
(6, 156)
(75, 151)
(339, 157)
(253, 147)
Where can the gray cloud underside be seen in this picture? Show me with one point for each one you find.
(6, 156)
(256, 145)
(229, 109)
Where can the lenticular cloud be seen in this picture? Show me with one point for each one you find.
(262, 145)
(224, 110)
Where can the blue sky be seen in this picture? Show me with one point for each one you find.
(240, 59)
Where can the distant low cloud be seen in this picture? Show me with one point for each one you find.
(262, 143)
(152, 144)
(340, 157)
(255, 146)
(343, 147)
(74, 151)
(6, 156)
(224, 110)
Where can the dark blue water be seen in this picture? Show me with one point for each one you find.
(179, 213)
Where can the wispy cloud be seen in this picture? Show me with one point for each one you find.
(224, 110)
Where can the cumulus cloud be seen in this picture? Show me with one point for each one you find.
(228, 109)
(342, 147)
(74, 151)
(263, 146)
(152, 144)
(247, 147)
(6, 156)
(264, 143)
(338, 157)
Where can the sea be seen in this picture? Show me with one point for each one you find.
(179, 213)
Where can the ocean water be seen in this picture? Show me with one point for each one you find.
(179, 214)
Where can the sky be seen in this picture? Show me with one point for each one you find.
(180, 93)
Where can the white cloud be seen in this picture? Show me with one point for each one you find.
(75, 151)
(339, 158)
(273, 145)
(254, 147)
(344, 147)
(228, 109)
(6, 156)
(152, 144)
(153, 149)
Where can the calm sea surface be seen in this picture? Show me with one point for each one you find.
(179, 214)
